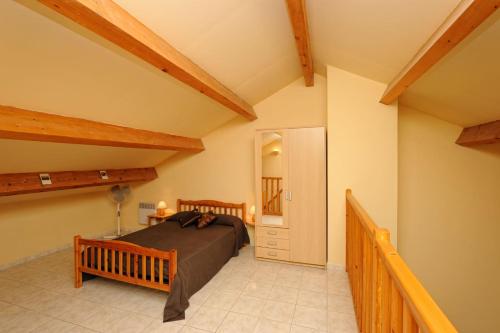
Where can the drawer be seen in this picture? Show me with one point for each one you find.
(267, 232)
(263, 252)
(274, 243)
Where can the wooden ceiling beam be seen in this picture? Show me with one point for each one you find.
(298, 18)
(109, 20)
(464, 20)
(24, 183)
(20, 124)
(481, 134)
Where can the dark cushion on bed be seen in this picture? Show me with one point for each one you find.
(206, 219)
(186, 218)
(230, 220)
(179, 216)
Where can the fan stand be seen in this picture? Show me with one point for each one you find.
(118, 224)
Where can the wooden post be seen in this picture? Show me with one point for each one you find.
(78, 272)
(172, 268)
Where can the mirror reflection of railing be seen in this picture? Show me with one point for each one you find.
(272, 192)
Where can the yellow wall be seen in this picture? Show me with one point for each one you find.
(225, 170)
(32, 227)
(362, 155)
(449, 219)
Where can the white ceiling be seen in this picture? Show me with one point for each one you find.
(50, 64)
(246, 44)
(464, 88)
(372, 38)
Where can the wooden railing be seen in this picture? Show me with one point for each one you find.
(272, 192)
(387, 295)
(125, 262)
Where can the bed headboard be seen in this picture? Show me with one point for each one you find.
(218, 207)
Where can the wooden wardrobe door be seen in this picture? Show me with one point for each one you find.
(307, 184)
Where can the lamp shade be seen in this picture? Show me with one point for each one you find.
(252, 210)
(162, 205)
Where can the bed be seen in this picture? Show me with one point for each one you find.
(166, 257)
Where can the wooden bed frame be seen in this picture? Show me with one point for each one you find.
(98, 257)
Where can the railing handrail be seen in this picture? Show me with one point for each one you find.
(426, 313)
(365, 219)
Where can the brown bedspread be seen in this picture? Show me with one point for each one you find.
(201, 253)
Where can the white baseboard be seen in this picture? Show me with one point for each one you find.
(47, 252)
(331, 267)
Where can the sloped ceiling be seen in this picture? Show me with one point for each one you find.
(374, 39)
(50, 64)
(464, 88)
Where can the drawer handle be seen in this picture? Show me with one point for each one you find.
(272, 243)
(272, 254)
(272, 232)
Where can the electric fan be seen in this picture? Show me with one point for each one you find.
(118, 194)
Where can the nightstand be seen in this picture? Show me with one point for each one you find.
(158, 218)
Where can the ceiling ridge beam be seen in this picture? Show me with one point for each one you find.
(110, 21)
(29, 182)
(464, 20)
(21, 124)
(486, 133)
(298, 18)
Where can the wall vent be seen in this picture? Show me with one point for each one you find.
(145, 209)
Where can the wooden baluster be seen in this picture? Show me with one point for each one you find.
(409, 324)
(113, 261)
(172, 267)
(78, 261)
(262, 182)
(386, 301)
(92, 257)
(127, 265)
(152, 269)
(377, 293)
(272, 209)
(106, 260)
(99, 258)
(85, 256)
(144, 261)
(160, 271)
(136, 266)
(120, 262)
(396, 310)
(367, 279)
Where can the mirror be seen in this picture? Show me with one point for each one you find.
(272, 179)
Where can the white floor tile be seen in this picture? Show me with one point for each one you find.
(207, 319)
(281, 293)
(310, 317)
(269, 326)
(277, 311)
(248, 305)
(312, 299)
(236, 322)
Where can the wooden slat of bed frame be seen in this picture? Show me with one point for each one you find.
(235, 209)
(127, 250)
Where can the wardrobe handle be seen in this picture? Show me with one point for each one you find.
(286, 195)
(272, 254)
(272, 243)
(289, 196)
(272, 233)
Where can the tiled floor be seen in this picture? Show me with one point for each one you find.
(245, 296)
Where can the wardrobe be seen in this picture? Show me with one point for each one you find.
(290, 215)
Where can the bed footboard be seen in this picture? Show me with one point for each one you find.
(125, 262)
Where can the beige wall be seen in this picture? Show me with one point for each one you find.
(362, 155)
(225, 170)
(41, 224)
(449, 219)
